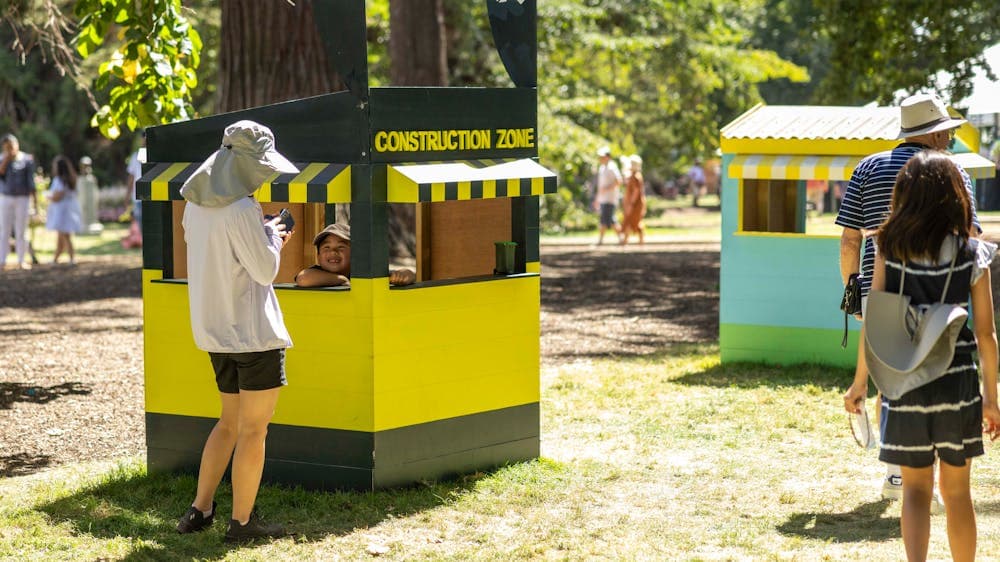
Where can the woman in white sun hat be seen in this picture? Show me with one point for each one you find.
(233, 256)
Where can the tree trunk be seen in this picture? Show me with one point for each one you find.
(417, 57)
(270, 52)
(417, 43)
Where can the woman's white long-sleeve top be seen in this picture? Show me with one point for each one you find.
(232, 261)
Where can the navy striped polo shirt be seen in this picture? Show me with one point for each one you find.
(869, 194)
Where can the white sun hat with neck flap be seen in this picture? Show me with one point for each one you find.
(920, 114)
(246, 160)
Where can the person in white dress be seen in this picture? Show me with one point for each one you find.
(63, 215)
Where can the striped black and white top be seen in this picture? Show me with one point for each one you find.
(869, 194)
(943, 418)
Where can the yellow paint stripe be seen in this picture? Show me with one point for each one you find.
(514, 187)
(799, 146)
(297, 188)
(339, 188)
(263, 193)
(537, 186)
(437, 191)
(159, 188)
(464, 190)
(489, 189)
(533, 267)
(401, 189)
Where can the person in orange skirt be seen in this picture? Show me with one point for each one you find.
(634, 202)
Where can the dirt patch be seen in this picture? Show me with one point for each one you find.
(627, 301)
(71, 368)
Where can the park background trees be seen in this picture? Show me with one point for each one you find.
(654, 77)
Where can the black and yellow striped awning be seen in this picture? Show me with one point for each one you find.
(476, 179)
(318, 182)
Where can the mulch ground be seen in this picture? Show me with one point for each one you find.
(71, 359)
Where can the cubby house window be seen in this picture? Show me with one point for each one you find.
(297, 254)
(773, 206)
(456, 239)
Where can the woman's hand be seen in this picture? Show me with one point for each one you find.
(279, 227)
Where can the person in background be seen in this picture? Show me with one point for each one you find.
(924, 124)
(133, 172)
(333, 261)
(634, 202)
(18, 197)
(609, 178)
(696, 181)
(63, 215)
(87, 192)
(233, 256)
(929, 231)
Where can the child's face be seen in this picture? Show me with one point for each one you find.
(335, 255)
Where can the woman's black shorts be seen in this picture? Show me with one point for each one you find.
(261, 370)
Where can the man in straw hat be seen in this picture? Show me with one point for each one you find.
(233, 258)
(925, 124)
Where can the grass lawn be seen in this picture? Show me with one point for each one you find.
(672, 457)
(88, 246)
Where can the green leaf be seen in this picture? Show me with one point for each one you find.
(83, 48)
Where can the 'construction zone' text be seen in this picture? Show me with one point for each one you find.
(453, 140)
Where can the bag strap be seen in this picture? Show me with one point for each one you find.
(951, 269)
(903, 312)
(843, 341)
(947, 281)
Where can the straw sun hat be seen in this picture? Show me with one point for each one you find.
(920, 114)
(246, 159)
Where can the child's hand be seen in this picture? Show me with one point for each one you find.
(854, 398)
(991, 421)
(402, 277)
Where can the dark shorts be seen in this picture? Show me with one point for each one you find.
(607, 214)
(261, 370)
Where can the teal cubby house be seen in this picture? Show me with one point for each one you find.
(780, 284)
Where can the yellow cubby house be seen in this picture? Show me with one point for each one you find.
(386, 385)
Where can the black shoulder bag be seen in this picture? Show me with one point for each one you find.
(851, 302)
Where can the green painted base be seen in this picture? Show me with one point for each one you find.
(332, 459)
(785, 346)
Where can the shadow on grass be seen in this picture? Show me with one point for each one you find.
(864, 523)
(754, 375)
(127, 503)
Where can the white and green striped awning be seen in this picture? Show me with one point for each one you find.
(807, 167)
